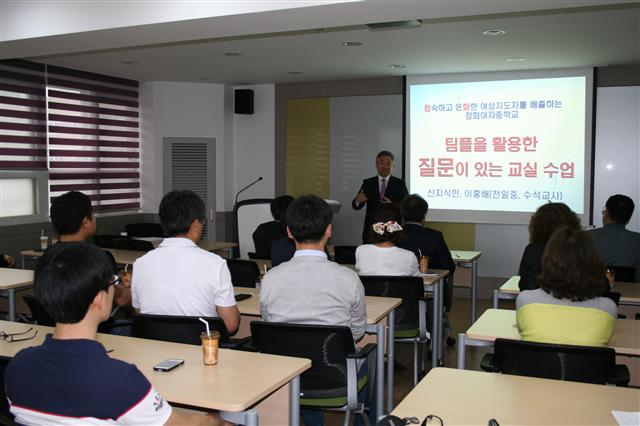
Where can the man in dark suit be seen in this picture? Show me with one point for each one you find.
(423, 241)
(379, 189)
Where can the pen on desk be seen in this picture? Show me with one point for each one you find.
(109, 351)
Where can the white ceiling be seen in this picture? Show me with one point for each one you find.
(450, 40)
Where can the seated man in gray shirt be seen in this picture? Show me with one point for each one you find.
(616, 245)
(310, 289)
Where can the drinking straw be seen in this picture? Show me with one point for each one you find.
(206, 324)
(420, 251)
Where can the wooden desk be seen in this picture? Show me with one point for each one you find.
(12, 280)
(469, 259)
(501, 323)
(378, 308)
(629, 292)
(463, 397)
(235, 385)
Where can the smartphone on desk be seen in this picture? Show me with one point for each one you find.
(168, 364)
(242, 296)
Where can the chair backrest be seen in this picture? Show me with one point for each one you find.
(144, 230)
(244, 273)
(176, 328)
(344, 255)
(623, 274)
(105, 241)
(409, 289)
(585, 364)
(132, 244)
(38, 313)
(326, 346)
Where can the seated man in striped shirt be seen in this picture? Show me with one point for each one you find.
(71, 379)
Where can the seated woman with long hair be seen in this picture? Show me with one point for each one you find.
(382, 257)
(567, 308)
(544, 221)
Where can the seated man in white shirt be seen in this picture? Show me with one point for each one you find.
(178, 277)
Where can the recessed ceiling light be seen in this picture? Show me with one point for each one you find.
(397, 66)
(494, 32)
(609, 166)
(295, 72)
(351, 43)
(515, 59)
(232, 54)
(129, 62)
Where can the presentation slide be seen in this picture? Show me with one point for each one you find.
(477, 148)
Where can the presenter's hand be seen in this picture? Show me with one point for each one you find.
(361, 198)
(385, 200)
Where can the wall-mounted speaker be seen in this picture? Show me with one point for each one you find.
(243, 101)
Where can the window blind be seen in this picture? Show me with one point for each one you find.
(83, 127)
(23, 143)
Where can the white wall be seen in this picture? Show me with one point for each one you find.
(189, 110)
(245, 144)
(617, 149)
(254, 146)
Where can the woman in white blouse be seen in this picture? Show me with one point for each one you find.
(382, 257)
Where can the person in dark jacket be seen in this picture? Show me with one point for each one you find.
(268, 232)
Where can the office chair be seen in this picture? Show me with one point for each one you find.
(345, 255)
(585, 364)
(125, 243)
(105, 241)
(144, 230)
(410, 316)
(181, 329)
(332, 381)
(244, 273)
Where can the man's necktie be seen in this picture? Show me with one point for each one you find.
(383, 188)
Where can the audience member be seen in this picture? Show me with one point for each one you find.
(377, 190)
(422, 240)
(382, 257)
(268, 232)
(543, 223)
(567, 309)
(309, 289)
(73, 219)
(178, 277)
(425, 241)
(70, 378)
(616, 245)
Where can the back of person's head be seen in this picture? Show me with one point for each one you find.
(386, 225)
(307, 218)
(571, 267)
(385, 153)
(279, 206)
(68, 277)
(414, 208)
(178, 210)
(548, 218)
(69, 210)
(620, 208)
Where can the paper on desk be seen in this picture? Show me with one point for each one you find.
(421, 274)
(624, 418)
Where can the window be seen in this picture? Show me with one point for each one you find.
(81, 127)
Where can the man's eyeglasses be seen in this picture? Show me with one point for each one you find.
(116, 281)
(17, 337)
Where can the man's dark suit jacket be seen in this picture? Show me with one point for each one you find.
(264, 235)
(396, 191)
(430, 242)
